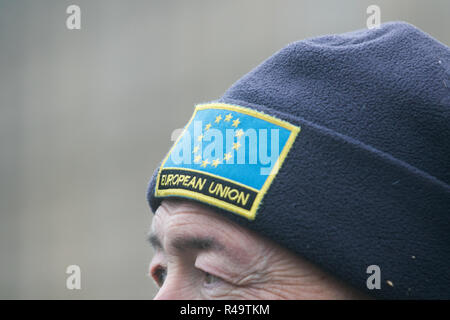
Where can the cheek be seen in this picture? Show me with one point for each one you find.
(260, 292)
(238, 293)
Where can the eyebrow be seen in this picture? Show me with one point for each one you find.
(183, 243)
(154, 241)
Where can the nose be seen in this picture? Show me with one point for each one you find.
(165, 295)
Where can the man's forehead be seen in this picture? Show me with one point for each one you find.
(179, 212)
(177, 216)
(176, 220)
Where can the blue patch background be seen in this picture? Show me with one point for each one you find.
(247, 174)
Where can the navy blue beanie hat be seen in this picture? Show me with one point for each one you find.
(352, 161)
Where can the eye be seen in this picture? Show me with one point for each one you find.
(159, 274)
(211, 279)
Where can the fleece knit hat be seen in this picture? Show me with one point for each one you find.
(337, 148)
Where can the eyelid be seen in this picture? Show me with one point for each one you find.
(217, 280)
(207, 270)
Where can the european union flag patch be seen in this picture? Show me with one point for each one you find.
(227, 156)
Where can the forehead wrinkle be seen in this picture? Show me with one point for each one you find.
(154, 235)
(237, 244)
(179, 218)
(182, 233)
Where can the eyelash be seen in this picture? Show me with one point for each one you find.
(159, 274)
(210, 279)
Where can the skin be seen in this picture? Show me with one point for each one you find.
(200, 254)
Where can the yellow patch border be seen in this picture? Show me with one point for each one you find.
(249, 214)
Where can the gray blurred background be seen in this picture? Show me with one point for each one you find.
(86, 115)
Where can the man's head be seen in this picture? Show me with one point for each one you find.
(335, 148)
(202, 255)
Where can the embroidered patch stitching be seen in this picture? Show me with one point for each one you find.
(229, 194)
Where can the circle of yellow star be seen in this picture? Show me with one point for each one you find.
(200, 138)
(236, 145)
(204, 163)
(195, 149)
(198, 158)
(218, 118)
(239, 133)
(235, 123)
(215, 163)
(228, 117)
(227, 156)
(207, 126)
